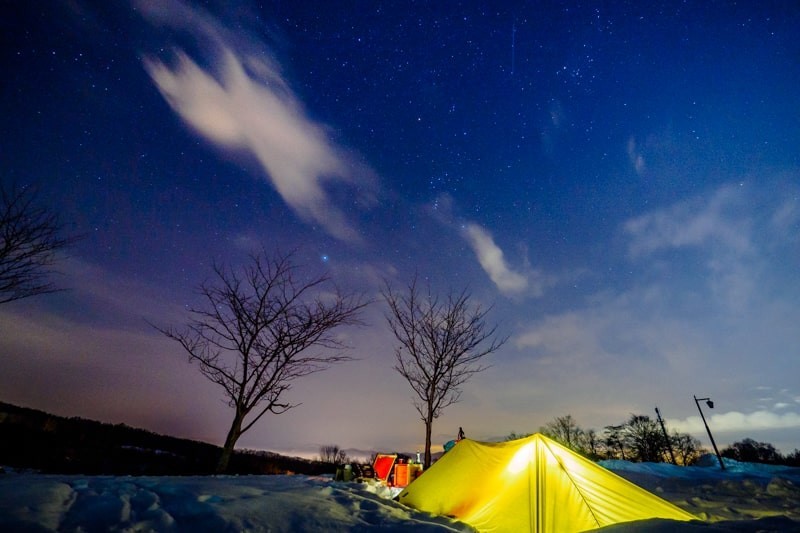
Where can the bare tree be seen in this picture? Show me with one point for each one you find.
(259, 331)
(564, 429)
(331, 453)
(515, 436)
(614, 442)
(29, 240)
(441, 345)
(644, 439)
(686, 447)
(591, 444)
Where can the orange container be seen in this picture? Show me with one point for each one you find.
(402, 475)
(405, 473)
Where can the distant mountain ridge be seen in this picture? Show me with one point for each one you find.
(33, 439)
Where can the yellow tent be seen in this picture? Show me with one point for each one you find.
(530, 484)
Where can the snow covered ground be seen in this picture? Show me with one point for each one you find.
(745, 498)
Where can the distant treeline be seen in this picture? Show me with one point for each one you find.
(642, 439)
(31, 439)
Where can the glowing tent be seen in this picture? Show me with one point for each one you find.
(530, 484)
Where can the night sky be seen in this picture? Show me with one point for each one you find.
(621, 180)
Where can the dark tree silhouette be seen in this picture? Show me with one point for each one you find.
(260, 330)
(331, 453)
(751, 451)
(613, 441)
(644, 439)
(793, 459)
(591, 444)
(441, 345)
(565, 429)
(687, 448)
(29, 242)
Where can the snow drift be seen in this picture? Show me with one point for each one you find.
(745, 498)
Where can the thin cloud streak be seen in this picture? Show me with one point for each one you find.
(526, 281)
(735, 421)
(719, 228)
(635, 156)
(696, 222)
(247, 105)
(491, 258)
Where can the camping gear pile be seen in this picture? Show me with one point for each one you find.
(395, 470)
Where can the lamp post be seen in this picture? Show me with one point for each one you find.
(710, 405)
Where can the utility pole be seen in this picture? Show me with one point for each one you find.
(666, 437)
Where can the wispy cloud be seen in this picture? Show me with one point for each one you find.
(523, 280)
(635, 156)
(735, 421)
(492, 259)
(786, 218)
(659, 324)
(719, 227)
(571, 334)
(656, 316)
(695, 222)
(553, 126)
(612, 331)
(245, 104)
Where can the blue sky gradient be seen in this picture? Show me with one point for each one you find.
(621, 181)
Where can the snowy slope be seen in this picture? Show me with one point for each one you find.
(248, 503)
(744, 498)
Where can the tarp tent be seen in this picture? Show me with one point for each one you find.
(530, 484)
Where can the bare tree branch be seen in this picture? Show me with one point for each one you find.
(441, 343)
(260, 329)
(29, 241)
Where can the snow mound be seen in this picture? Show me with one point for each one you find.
(247, 503)
(744, 498)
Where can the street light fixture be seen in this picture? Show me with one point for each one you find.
(710, 405)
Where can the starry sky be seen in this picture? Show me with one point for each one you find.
(620, 180)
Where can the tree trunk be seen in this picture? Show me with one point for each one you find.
(428, 426)
(230, 441)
